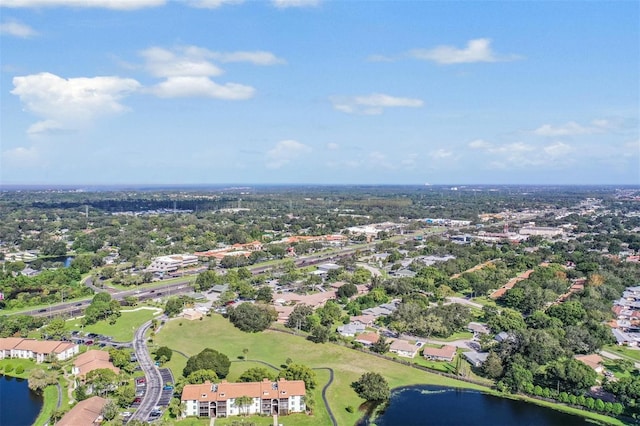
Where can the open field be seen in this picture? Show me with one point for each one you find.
(122, 330)
(275, 347)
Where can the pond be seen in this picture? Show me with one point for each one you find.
(19, 406)
(433, 405)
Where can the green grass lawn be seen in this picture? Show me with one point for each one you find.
(625, 352)
(50, 403)
(27, 365)
(455, 336)
(121, 331)
(613, 367)
(274, 347)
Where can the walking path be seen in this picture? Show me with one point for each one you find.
(611, 355)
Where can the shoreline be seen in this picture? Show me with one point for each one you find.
(46, 398)
(371, 414)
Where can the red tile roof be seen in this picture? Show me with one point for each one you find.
(224, 391)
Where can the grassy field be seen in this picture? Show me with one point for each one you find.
(122, 330)
(632, 354)
(274, 347)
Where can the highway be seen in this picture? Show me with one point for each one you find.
(75, 308)
(151, 373)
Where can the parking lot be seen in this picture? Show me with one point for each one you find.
(167, 391)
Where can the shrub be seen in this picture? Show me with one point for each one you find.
(8, 368)
(19, 369)
(350, 409)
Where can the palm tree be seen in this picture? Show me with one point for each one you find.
(243, 402)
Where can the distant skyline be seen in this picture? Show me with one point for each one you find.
(103, 92)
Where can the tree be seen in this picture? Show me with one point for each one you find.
(173, 306)
(329, 313)
(252, 317)
(264, 294)
(38, 380)
(208, 359)
(320, 334)
(55, 329)
(125, 394)
(256, 374)
(299, 317)
(381, 346)
(119, 357)
(242, 403)
(300, 372)
(110, 410)
(492, 367)
(347, 290)
(102, 380)
(372, 387)
(176, 408)
(164, 351)
(201, 376)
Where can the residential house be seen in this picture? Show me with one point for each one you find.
(478, 328)
(367, 339)
(476, 358)
(594, 361)
(265, 398)
(366, 320)
(404, 349)
(38, 350)
(351, 329)
(85, 413)
(445, 353)
(192, 314)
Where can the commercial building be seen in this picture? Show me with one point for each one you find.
(172, 263)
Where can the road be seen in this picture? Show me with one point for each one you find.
(611, 355)
(154, 380)
(463, 301)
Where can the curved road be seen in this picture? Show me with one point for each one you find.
(151, 373)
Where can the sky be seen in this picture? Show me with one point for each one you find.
(319, 92)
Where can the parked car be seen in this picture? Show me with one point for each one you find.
(88, 342)
(167, 387)
(138, 400)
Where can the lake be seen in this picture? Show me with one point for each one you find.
(19, 406)
(433, 405)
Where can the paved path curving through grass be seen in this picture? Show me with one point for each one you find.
(324, 393)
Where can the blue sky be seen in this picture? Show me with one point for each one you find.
(326, 92)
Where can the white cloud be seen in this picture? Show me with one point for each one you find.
(441, 154)
(572, 129)
(477, 50)
(284, 4)
(22, 157)
(46, 127)
(518, 155)
(373, 104)
(104, 4)
(284, 152)
(188, 86)
(558, 149)
(212, 4)
(332, 146)
(255, 58)
(187, 71)
(165, 63)
(71, 103)
(479, 144)
(17, 29)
